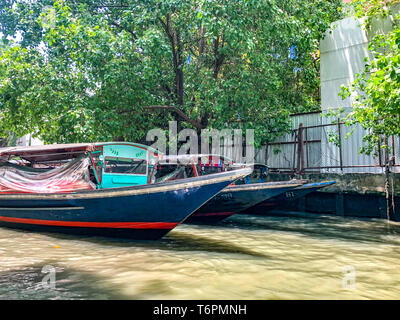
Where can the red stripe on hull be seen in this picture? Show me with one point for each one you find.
(213, 214)
(119, 225)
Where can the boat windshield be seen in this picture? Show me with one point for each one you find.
(125, 165)
(168, 172)
(204, 170)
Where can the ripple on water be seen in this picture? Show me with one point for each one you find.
(244, 257)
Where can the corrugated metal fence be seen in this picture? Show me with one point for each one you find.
(318, 145)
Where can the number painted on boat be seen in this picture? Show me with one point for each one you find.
(289, 194)
(226, 195)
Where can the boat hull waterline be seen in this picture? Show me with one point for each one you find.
(281, 199)
(234, 199)
(139, 212)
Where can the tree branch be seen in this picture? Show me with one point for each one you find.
(177, 111)
(176, 48)
(172, 109)
(219, 58)
(124, 29)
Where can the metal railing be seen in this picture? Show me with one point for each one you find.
(302, 141)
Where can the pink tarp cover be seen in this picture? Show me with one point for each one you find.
(70, 177)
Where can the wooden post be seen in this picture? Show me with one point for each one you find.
(386, 150)
(387, 174)
(306, 140)
(294, 150)
(300, 154)
(393, 153)
(379, 152)
(340, 146)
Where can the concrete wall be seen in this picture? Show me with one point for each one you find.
(353, 195)
(358, 183)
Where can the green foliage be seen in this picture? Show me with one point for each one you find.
(376, 91)
(82, 72)
(371, 9)
(333, 137)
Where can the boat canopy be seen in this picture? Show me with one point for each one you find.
(50, 152)
(114, 164)
(70, 177)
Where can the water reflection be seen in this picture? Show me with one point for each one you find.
(244, 257)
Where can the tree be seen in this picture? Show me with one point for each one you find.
(4, 140)
(376, 90)
(84, 72)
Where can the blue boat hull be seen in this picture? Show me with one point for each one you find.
(237, 198)
(139, 212)
(291, 195)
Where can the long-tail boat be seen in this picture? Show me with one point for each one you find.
(284, 198)
(232, 199)
(236, 198)
(260, 174)
(106, 189)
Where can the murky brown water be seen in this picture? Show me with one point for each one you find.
(245, 257)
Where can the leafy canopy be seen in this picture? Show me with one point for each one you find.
(78, 71)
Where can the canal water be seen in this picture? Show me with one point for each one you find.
(245, 257)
